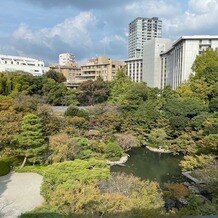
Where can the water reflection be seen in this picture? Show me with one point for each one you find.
(158, 167)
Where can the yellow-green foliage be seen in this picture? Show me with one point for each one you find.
(194, 162)
(63, 175)
(119, 197)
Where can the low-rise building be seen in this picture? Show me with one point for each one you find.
(71, 72)
(103, 67)
(15, 63)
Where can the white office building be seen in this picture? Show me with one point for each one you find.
(134, 69)
(16, 63)
(140, 30)
(178, 60)
(66, 59)
(152, 61)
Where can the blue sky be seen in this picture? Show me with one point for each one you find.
(44, 28)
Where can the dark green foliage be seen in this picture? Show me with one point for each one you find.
(112, 149)
(56, 76)
(93, 92)
(136, 95)
(4, 167)
(179, 122)
(31, 140)
(188, 107)
(58, 94)
(74, 111)
(53, 92)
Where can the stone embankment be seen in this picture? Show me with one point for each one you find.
(158, 150)
(120, 162)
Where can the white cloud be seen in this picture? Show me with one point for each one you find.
(77, 35)
(199, 18)
(202, 6)
(72, 31)
(159, 8)
(23, 32)
(72, 34)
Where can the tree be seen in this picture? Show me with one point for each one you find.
(119, 86)
(136, 95)
(93, 92)
(56, 76)
(9, 123)
(31, 140)
(158, 139)
(62, 148)
(58, 94)
(207, 59)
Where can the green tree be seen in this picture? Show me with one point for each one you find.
(207, 59)
(136, 95)
(31, 141)
(158, 139)
(93, 92)
(62, 148)
(58, 94)
(119, 86)
(56, 76)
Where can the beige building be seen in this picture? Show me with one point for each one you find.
(72, 73)
(100, 67)
(97, 67)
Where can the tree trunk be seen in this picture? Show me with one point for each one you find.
(24, 162)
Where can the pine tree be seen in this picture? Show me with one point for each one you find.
(31, 140)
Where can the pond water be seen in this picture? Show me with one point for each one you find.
(153, 166)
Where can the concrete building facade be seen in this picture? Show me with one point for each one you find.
(134, 69)
(16, 63)
(178, 60)
(66, 59)
(152, 61)
(103, 67)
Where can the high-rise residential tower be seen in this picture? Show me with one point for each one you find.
(140, 30)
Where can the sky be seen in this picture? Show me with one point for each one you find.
(43, 29)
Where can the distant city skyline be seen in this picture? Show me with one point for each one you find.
(43, 29)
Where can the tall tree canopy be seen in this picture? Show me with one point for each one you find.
(31, 141)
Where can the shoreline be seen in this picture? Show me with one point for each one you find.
(159, 150)
(120, 162)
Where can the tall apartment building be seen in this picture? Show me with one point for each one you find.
(140, 30)
(178, 60)
(66, 59)
(103, 67)
(17, 63)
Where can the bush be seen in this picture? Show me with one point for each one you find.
(74, 111)
(194, 162)
(112, 149)
(4, 167)
(176, 191)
